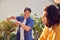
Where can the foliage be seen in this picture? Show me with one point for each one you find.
(13, 37)
(6, 28)
(38, 26)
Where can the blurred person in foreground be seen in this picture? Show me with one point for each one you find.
(51, 20)
(26, 24)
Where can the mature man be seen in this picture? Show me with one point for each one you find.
(26, 24)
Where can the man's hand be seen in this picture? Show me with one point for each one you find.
(26, 28)
(16, 23)
(11, 17)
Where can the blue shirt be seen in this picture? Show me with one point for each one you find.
(27, 34)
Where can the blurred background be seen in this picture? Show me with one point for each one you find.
(16, 7)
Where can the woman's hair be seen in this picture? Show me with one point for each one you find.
(52, 15)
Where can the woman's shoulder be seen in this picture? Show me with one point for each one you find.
(57, 27)
(57, 31)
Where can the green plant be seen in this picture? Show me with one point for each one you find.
(38, 27)
(6, 28)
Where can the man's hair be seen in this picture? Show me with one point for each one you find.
(27, 9)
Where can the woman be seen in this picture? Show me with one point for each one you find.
(51, 20)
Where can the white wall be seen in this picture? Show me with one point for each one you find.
(15, 7)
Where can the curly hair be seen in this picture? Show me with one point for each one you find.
(52, 15)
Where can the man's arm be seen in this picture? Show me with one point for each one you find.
(11, 17)
(27, 27)
(14, 20)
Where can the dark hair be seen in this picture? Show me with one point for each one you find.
(52, 15)
(27, 9)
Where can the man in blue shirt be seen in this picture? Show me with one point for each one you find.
(27, 27)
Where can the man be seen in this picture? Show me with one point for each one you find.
(26, 24)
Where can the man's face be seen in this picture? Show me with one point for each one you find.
(26, 14)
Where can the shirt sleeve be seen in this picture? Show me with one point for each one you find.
(31, 23)
(18, 18)
(44, 34)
